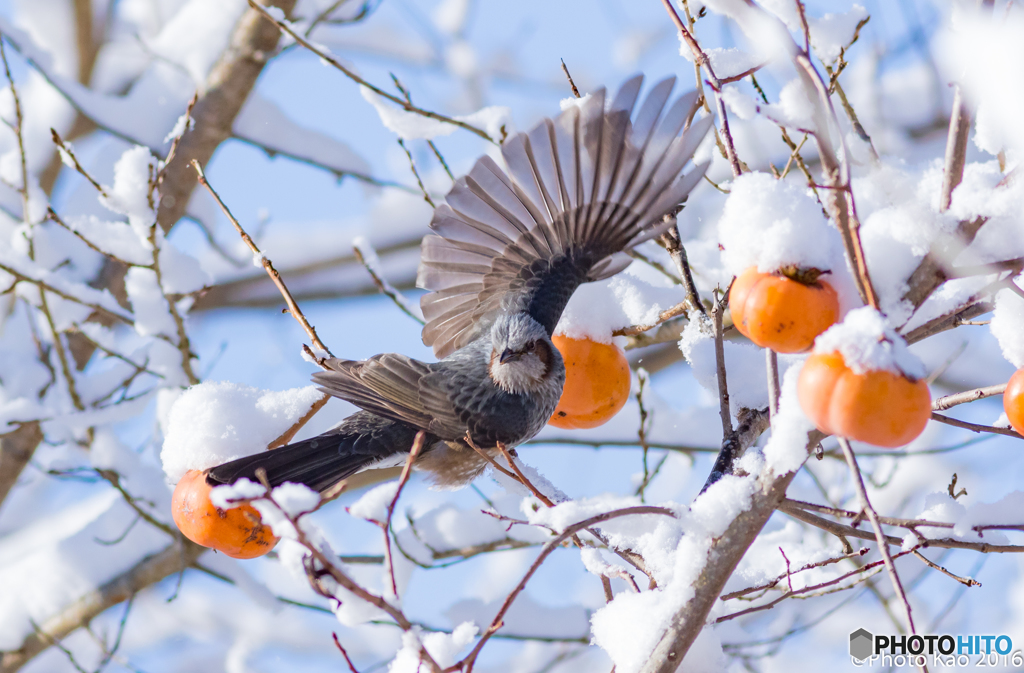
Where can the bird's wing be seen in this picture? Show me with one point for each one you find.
(580, 189)
(396, 387)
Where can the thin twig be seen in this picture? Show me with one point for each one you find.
(572, 84)
(858, 482)
(701, 60)
(956, 149)
(948, 401)
(293, 308)
(974, 427)
(414, 453)
(284, 27)
(467, 663)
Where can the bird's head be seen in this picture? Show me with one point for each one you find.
(522, 354)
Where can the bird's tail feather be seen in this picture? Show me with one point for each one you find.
(579, 190)
(361, 441)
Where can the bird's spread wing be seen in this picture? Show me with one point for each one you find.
(580, 189)
(396, 387)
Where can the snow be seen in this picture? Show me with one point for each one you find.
(771, 224)
(1008, 325)
(726, 62)
(450, 15)
(116, 238)
(130, 194)
(413, 126)
(229, 496)
(373, 505)
(216, 422)
(572, 101)
(868, 343)
(786, 449)
(444, 648)
(627, 300)
(745, 367)
(982, 51)
(184, 123)
(263, 122)
(149, 306)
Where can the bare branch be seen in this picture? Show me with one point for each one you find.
(293, 308)
(409, 107)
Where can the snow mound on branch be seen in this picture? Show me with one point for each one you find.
(373, 506)
(868, 343)
(786, 450)
(982, 52)
(213, 423)
(443, 647)
(1008, 326)
(598, 309)
(771, 223)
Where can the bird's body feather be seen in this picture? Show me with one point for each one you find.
(509, 248)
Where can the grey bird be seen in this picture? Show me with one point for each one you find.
(507, 252)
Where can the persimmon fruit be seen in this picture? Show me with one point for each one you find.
(596, 383)
(877, 407)
(236, 532)
(783, 311)
(1013, 401)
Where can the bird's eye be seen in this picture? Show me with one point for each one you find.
(530, 345)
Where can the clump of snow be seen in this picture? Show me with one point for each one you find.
(373, 506)
(726, 62)
(130, 194)
(450, 15)
(213, 423)
(183, 124)
(981, 50)
(443, 647)
(149, 306)
(771, 223)
(786, 449)
(744, 365)
(116, 238)
(624, 299)
(565, 514)
(829, 33)
(1008, 326)
(412, 126)
(867, 343)
(795, 108)
(568, 103)
(228, 496)
(596, 565)
(295, 499)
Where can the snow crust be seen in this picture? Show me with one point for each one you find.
(867, 343)
(216, 422)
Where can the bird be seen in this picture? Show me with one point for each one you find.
(507, 250)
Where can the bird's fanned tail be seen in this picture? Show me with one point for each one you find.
(580, 189)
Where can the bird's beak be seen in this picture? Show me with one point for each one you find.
(508, 356)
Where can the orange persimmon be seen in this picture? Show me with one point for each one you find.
(236, 532)
(783, 311)
(877, 407)
(596, 383)
(1013, 401)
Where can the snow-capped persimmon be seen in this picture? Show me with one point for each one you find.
(783, 311)
(236, 532)
(596, 383)
(1013, 401)
(877, 407)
